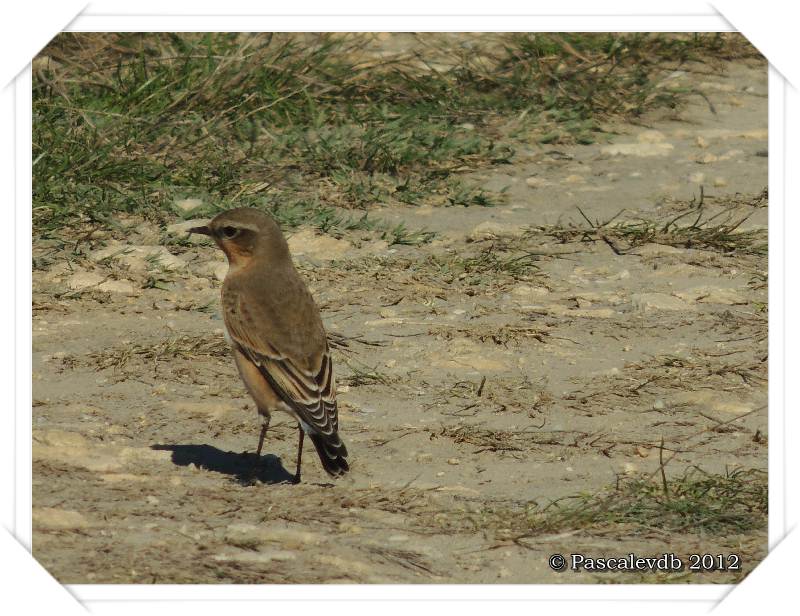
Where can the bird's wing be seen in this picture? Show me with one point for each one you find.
(304, 381)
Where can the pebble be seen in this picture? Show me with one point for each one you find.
(322, 247)
(453, 461)
(700, 142)
(382, 322)
(652, 302)
(706, 158)
(54, 518)
(651, 136)
(535, 182)
(84, 280)
(706, 294)
(266, 556)
(638, 149)
(287, 537)
(720, 182)
(187, 205)
(524, 290)
(123, 287)
(332, 562)
(491, 230)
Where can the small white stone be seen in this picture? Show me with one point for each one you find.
(651, 302)
(187, 205)
(651, 136)
(706, 158)
(535, 182)
(50, 517)
(491, 230)
(123, 287)
(638, 149)
(322, 247)
(84, 280)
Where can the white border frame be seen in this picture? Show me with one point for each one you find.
(98, 595)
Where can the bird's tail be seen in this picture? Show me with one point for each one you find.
(332, 453)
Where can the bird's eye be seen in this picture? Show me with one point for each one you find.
(230, 232)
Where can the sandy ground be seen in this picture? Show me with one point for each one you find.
(494, 366)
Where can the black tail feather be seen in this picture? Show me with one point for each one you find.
(332, 453)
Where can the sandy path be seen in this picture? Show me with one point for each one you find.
(473, 380)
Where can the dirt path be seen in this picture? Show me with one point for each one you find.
(504, 363)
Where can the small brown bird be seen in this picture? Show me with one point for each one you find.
(277, 336)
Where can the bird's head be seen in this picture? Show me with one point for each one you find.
(244, 234)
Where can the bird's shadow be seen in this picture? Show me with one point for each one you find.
(244, 468)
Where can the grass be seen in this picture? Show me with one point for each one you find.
(300, 125)
(695, 502)
(509, 441)
(693, 227)
(174, 347)
(492, 263)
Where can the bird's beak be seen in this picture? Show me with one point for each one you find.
(204, 230)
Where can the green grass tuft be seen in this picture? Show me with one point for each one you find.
(296, 124)
(696, 502)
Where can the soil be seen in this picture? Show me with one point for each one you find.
(495, 366)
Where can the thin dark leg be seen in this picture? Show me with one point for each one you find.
(264, 428)
(299, 454)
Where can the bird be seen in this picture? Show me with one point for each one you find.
(279, 343)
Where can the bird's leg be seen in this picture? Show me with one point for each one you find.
(264, 428)
(299, 454)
